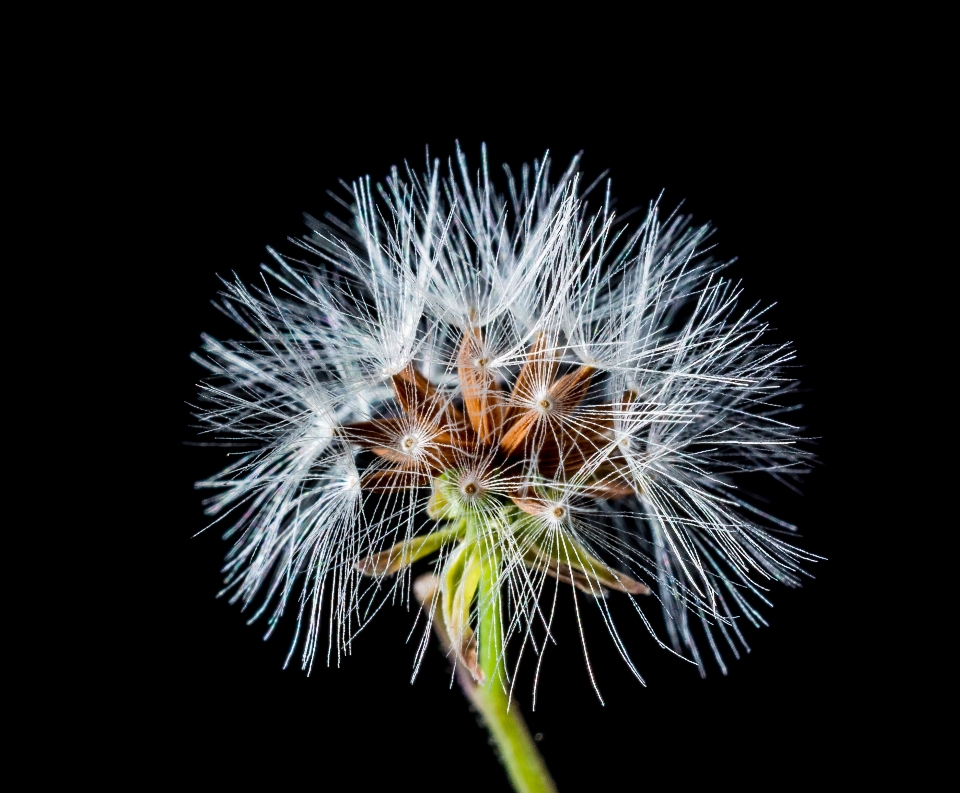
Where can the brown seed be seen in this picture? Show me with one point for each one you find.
(482, 395)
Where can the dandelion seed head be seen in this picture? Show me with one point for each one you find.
(455, 371)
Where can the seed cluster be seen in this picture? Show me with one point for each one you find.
(540, 430)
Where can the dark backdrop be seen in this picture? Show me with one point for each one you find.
(771, 176)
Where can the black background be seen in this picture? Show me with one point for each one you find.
(775, 177)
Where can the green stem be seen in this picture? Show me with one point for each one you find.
(518, 752)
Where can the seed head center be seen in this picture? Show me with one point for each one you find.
(408, 442)
(545, 403)
(558, 512)
(470, 488)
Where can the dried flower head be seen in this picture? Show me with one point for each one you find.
(531, 395)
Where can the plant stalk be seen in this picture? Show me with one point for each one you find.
(516, 748)
(518, 752)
